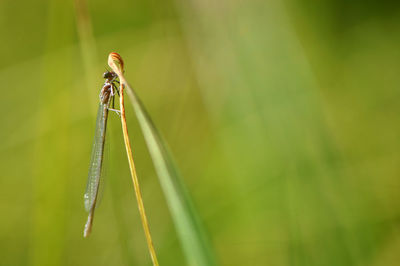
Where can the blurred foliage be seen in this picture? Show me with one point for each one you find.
(283, 117)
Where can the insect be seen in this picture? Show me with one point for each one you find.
(107, 93)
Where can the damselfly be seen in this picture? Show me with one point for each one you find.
(107, 94)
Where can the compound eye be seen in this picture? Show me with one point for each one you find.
(107, 75)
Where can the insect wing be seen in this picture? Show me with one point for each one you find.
(96, 160)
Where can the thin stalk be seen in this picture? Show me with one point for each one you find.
(195, 243)
(135, 179)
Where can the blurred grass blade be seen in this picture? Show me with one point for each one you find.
(193, 239)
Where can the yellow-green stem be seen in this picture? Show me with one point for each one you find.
(135, 179)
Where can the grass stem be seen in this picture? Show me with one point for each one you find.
(135, 179)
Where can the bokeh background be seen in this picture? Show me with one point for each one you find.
(282, 115)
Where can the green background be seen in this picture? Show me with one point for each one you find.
(283, 117)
